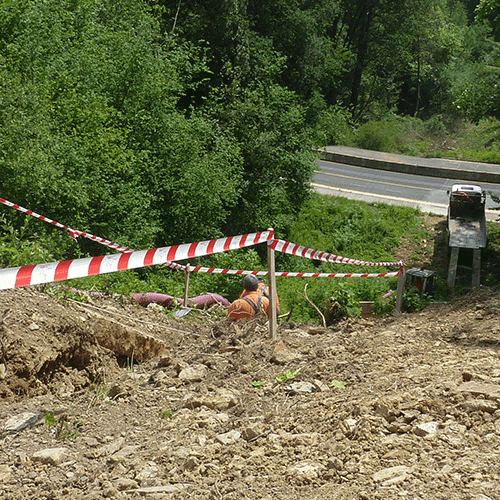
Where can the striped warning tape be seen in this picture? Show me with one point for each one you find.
(14, 277)
(73, 232)
(293, 249)
(58, 271)
(294, 274)
(340, 275)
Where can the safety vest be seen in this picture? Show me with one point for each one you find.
(256, 308)
(262, 290)
(246, 308)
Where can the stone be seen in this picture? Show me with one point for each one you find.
(229, 437)
(480, 405)
(158, 490)
(285, 357)
(335, 463)
(488, 391)
(165, 360)
(349, 425)
(148, 476)
(427, 429)
(194, 373)
(190, 463)
(221, 399)
(321, 386)
(52, 456)
(317, 330)
(112, 447)
(305, 471)
(20, 422)
(122, 454)
(301, 387)
(91, 442)
(124, 483)
(410, 415)
(5, 473)
(250, 433)
(391, 473)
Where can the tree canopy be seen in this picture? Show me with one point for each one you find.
(158, 121)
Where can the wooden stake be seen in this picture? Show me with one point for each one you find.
(273, 321)
(186, 287)
(400, 290)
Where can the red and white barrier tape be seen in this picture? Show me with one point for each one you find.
(14, 277)
(340, 275)
(294, 274)
(198, 269)
(293, 249)
(73, 232)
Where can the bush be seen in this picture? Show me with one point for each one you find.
(377, 136)
(413, 302)
(18, 249)
(333, 127)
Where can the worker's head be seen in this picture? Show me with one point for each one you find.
(250, 283)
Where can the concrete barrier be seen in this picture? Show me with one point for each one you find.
(431, 167)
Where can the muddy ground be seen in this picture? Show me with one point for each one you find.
(106, 399)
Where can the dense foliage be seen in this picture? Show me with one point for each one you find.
(97, 131)
(155, 122)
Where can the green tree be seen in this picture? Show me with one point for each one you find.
(94, 132)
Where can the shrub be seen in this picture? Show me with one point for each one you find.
(377, 136)
(333, 127)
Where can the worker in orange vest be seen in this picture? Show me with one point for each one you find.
(264, 291)
(251, 304)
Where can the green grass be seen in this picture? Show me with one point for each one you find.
(366, 231)
(372, 232)
(441, 137)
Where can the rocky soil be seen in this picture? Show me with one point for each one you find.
(106, 399)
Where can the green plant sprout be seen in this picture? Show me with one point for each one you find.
(257, 383)
(287, 375)
(337, 384)
(63, 427)
(50, 420)
(166, 414)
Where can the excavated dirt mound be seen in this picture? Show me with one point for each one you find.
(106, 399)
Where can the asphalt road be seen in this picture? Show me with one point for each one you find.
(368, 184)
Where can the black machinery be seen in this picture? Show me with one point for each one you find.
(421, 279)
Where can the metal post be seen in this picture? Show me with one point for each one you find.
(273, 321)
(400, 290)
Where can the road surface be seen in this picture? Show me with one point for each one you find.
(373, 185)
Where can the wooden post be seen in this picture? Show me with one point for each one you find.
(273, 320)
(186, 287)
(400, 290)
(452, 268)
(476, 268)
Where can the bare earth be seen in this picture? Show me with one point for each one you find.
(405, 407)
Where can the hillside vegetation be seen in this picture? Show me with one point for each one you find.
(159, 123)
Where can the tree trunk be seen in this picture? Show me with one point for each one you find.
(365, 23)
